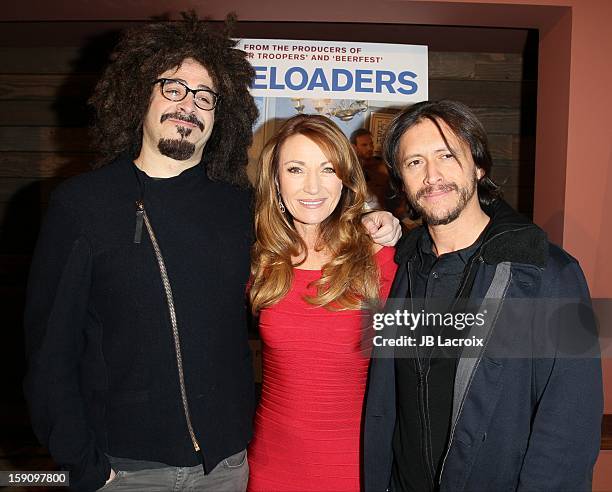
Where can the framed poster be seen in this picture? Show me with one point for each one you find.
(346, 81)
(378, 128)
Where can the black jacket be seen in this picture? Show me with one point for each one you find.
(102, 370)
(526, 407)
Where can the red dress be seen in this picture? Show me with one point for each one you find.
(307, 425)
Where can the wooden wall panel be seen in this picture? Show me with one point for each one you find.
(515, 174)
(44, 164)
(44, 87)
(43, 139)
(442, 65)
(47, 60)
(475, 66)
(43, 112)
(483, 93)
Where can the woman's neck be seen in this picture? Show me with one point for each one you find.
(313, 259)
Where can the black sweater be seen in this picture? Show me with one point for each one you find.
(102, 371)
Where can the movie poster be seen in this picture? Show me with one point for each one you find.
(358, 85)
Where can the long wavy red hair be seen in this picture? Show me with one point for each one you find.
(351, 275)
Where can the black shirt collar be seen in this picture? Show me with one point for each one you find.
(425, 247)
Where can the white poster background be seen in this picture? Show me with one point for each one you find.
(338, 70)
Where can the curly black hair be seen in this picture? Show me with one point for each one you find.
(121, 97)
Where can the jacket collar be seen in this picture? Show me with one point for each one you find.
(509, 237)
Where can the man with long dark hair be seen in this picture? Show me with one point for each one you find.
(140, 374)
(511, 400)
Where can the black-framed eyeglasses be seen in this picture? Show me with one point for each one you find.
(175, 90)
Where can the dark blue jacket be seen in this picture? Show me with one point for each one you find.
(527, 407)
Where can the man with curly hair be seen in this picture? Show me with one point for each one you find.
(139, 368)
(140, 373)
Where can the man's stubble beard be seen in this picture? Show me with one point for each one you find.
(465, 194)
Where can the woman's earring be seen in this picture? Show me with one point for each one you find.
(280, 203)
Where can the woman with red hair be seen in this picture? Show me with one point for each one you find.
(314, 269)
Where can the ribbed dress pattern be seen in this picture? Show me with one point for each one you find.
(315, 363)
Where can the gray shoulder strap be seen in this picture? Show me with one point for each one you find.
(470, 357)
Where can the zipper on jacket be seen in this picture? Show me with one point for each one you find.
(141, 215)
(454, 424)
(425, 430)
(423, 406)
(477, 259)
(139, 221)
